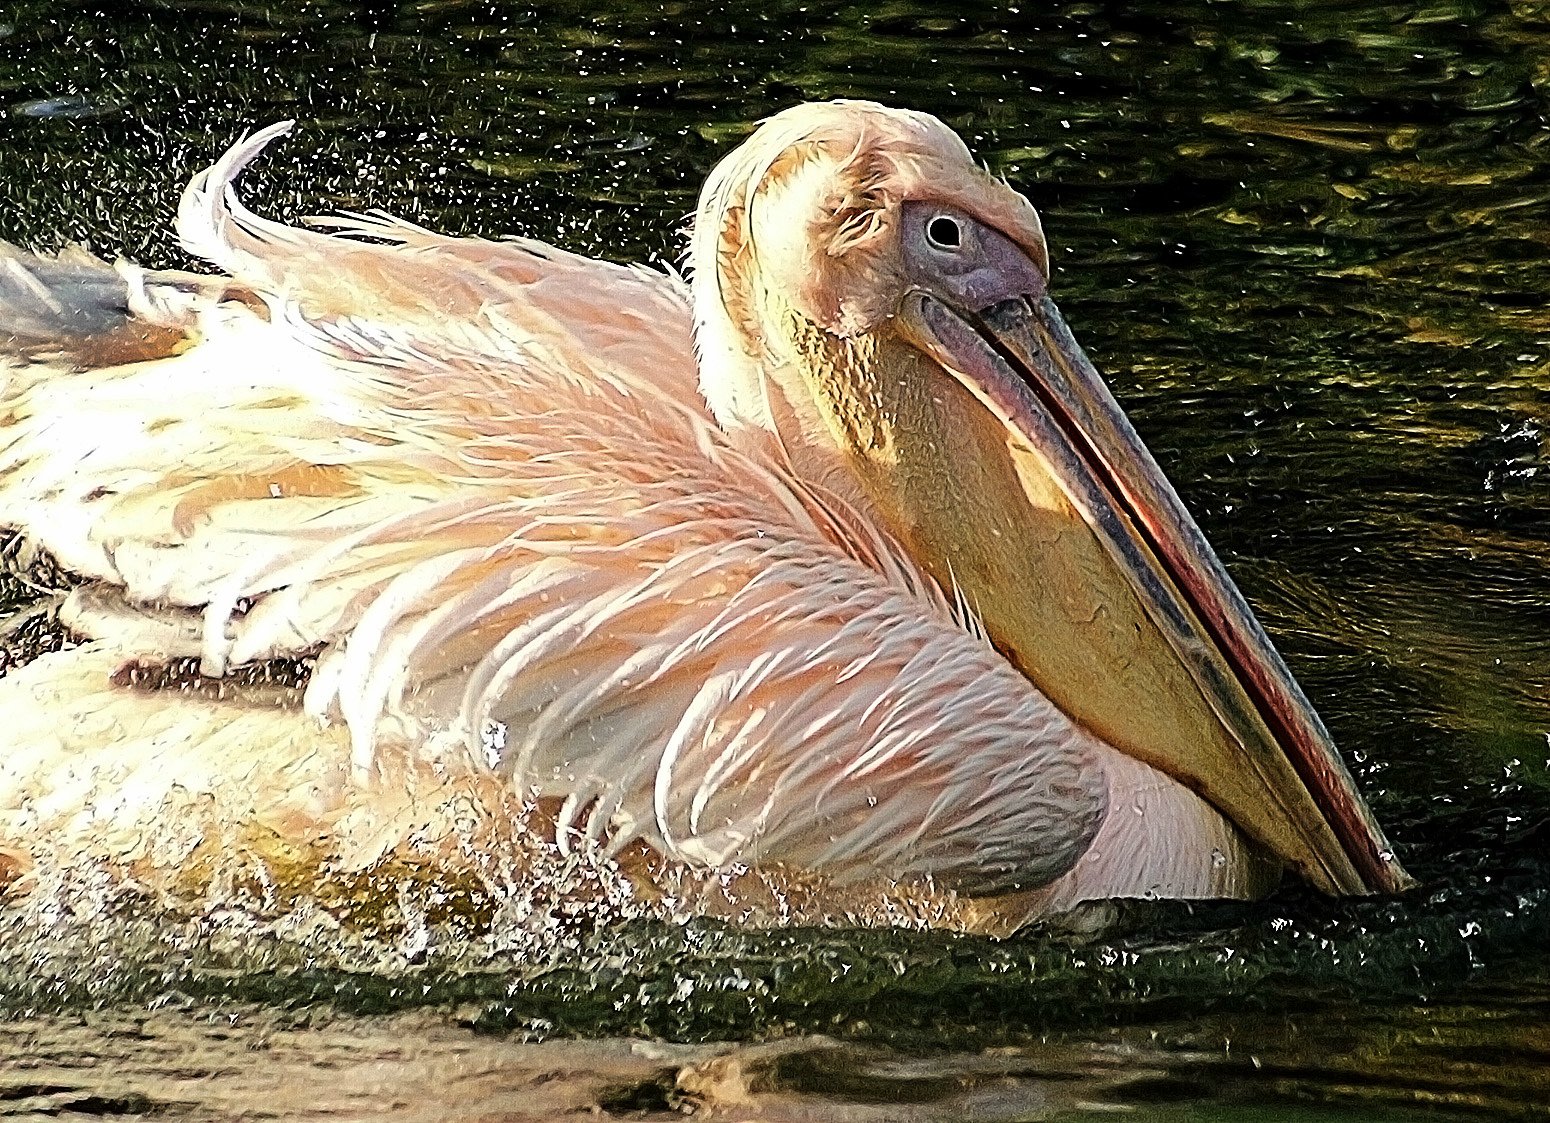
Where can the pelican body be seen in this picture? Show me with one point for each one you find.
(839, 559)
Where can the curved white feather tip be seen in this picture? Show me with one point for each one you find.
(210, 207)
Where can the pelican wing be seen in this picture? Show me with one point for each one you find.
(161, 430)
(561, 574)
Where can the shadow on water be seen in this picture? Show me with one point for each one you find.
(1310, 244)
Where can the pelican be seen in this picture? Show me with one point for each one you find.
(839, 559)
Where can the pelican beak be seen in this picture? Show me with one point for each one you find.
(1036, 499)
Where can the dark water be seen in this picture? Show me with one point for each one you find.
(1309, 243)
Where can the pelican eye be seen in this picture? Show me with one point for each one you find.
(944, 233)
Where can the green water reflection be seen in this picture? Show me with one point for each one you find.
(1309, 243)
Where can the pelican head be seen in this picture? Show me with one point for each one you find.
(874, 306)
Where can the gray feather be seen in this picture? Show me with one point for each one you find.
(59, 299)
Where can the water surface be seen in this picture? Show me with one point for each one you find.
(1310, 245)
